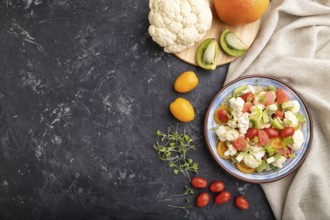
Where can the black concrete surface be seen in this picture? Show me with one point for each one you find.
(83, 89)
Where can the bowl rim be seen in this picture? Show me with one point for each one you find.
(310, 126)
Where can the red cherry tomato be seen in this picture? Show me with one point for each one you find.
(199, 182)
(217, 186)
(281, 96)
(272, 133)
(222, 197)
(248, 97)
(247, 106)
(279, 114)
(251, 133)
(287, 132)
(242, 202)
(270, 98)
(203, 199)
(223, 115)
(239, 143)
(263, 138)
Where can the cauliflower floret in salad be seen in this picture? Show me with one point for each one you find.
(249, 89)
(243, 123)
(226, 133)
(272, 108)
(292, 118)
(298, 140)
(232, 134)
(258, 152)
(231, 150)
(295, 106)
(279, 161)
(232, 123)
(236, 104)
(251, 161)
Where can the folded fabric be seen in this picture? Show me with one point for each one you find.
(293, 44)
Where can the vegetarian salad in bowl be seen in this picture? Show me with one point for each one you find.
(258, 129)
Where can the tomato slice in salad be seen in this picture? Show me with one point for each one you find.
(248, 97)
(263, 138)
(287, 132)
(247, 106)
(281, 96)
(272, 133)
(251, 133)
(221, 115)
(239, 143)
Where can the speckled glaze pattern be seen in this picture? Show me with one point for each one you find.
(269, 176)
(83, 89)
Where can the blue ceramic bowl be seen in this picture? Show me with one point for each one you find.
(269, 176)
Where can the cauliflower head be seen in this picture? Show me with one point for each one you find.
(178, 24)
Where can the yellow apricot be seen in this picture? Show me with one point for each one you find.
(182, 110)
(186, 82)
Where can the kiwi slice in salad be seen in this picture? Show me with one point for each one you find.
(207, 54)
(231, 44)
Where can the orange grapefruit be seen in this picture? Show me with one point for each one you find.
(239, 12)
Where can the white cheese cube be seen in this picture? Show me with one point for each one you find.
(270, 160)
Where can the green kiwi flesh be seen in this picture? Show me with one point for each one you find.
(207, 54)
(231, 44)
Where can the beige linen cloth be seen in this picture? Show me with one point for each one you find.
(293, 44)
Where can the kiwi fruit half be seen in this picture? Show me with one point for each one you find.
(231, 44)
(207, 54)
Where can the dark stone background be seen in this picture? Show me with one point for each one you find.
(82, 91)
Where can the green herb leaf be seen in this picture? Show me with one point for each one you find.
(293, 155)
(272, 88)
(288, 141)
(173, 147)
(301, 118)
(271, 151)
(255, 139)
(262, 99)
